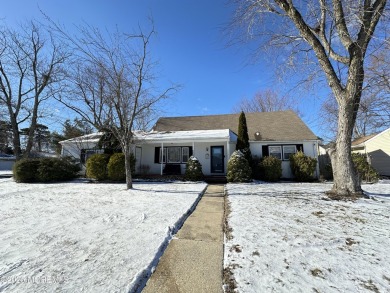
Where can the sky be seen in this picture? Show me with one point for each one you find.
(190, 48)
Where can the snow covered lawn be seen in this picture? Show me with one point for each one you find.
(287, 238)
(84, 237)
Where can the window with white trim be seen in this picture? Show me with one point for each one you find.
(275, 151)
(174, 155)
(185, 154)
(288, 150)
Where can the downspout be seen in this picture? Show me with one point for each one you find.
(228, 153)
(315, 153)
(162, 158)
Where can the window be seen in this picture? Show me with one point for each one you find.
(185, 154)
(275, 151)
(174, 154)
(86, 153)
(288, 150)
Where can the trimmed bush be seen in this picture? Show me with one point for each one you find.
(25, 170)
(116, 170)
(45, 170)
(302, 166)
(365, 170)
(193, 170)
(57, 169)
(97, 166)
(238, 168)
(271, 168)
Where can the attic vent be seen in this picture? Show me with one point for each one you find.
(257, 135)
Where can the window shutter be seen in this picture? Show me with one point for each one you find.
(265, 150)
(190, 151)
(157, 155)
(299, 147)
(82, 156)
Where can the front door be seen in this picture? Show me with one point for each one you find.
(217, 159)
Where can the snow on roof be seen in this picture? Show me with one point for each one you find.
(165, 136)
(93, 137)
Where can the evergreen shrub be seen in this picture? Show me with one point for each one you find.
(116, 169)
(45, 170)
(25, 170)
(193, 170)
(57, 169)
(365, 170)
(302, 166)
(238, 169)
(271, 168)
(97, 166)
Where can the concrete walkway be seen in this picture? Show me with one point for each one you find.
(193, 260)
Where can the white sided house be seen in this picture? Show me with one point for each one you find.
(212, 139)
(377, 149)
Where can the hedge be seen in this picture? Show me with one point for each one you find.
(45, 170)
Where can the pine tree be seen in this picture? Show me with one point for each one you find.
(243, 138)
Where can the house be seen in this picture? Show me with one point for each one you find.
(7, 162)
(377, 149)
(212, 139)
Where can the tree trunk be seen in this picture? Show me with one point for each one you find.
(129, 179)
(31, 132)
(16, 138)
(346, 181)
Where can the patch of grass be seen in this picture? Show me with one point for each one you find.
(228, 230)
(350, 241)
(345, 197)
(317, 273)
(236, 248)
(359, 220)
(287, 263)
(229, 282)
(255, 253)
(318, 214)
(369, 285)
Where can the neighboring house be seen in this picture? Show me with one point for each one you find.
(212, 139)
(82, 147)
(7, 162)
(377, 149)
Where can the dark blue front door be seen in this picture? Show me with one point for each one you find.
(217, 159)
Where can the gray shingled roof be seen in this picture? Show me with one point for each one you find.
(272, 126)
(363, 139)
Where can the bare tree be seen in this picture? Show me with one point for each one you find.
(373, 115)
(113, 84)
(265, 101)
(335, 36)
(30, 71)
(374, 110)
